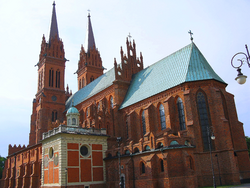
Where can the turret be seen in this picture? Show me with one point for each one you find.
(90, 62)
(50, 98)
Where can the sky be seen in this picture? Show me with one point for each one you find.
(159, 28)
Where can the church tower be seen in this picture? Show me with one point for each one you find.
(49, 103)
(90, 63)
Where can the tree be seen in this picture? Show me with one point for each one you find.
(248, 144)
(2, 161)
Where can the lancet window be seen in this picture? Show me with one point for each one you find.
(181, 114)
(57, 79)
(51, 77)
(162, 117)
(204, 119)
(143, 123)
(54, 116)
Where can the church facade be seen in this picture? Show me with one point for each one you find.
(172, 124)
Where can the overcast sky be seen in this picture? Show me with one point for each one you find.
(159, 28)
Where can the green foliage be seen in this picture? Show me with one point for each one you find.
(248, 144)
(2, 160)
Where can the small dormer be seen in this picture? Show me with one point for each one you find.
(73, 117)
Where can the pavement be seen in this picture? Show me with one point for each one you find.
(245, 185)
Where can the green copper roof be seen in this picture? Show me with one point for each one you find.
(92, 88)
(186, 65)
(72, 110)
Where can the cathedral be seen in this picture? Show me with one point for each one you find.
(170, 125)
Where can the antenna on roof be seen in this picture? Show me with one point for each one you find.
(191, 35)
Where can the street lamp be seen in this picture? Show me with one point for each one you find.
(218, 168)
(241, 78)
(210, 135)
(119, 139)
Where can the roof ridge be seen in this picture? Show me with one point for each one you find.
(199, 68)
(168, 56)
(190, 55)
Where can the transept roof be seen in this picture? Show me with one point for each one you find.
(186, 65)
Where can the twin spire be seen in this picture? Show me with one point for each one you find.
(89, 39)
(53, 27)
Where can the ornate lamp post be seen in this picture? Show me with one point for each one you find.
(119, 139)
(241, 78)
(210, 136)
(218, 168)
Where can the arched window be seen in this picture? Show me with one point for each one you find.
(73, 121)
(39, 81)
(162, 165)
(123, 181)
(31, 168)
(51, 77)
(111, 102)
(127, 152)
(159, 145)
(187, 143)
(162, 117)
(174, 143)
(147, 148)
(83, 82)
(191, 163)
(204, 119)
(142, 168)
(143, 123)
(57, 79)
(69, 122)
(80, 84)
(54, 116)
(136, 150)
(181, 114)
(92, 78)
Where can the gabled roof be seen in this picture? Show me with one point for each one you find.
(94, 87)
(89, 39)
(186, 65)
(53, 27)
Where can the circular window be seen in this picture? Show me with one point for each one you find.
(54, 98)
(51, 152)
(84, 150)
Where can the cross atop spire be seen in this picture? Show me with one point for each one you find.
(89, 39)
(129, 36)
(53, 27)
(191, 35)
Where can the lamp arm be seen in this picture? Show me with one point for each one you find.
(248, 56)
(241, 61)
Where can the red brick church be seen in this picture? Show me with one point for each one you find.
(131, 126)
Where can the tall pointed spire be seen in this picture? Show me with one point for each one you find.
(89, 39)
(53, 27)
